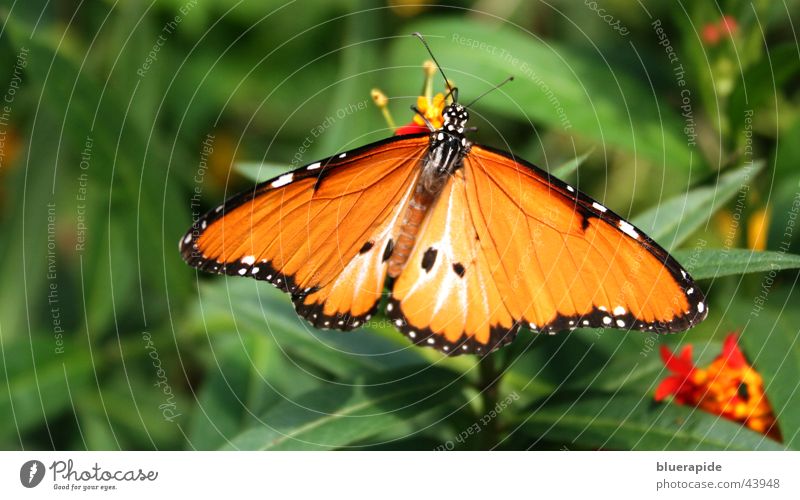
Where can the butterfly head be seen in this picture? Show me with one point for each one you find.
(455, 118)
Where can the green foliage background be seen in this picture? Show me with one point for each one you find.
(113, 343)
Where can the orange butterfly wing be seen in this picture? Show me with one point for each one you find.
(532, 250)
(322, 232)
(446, 296)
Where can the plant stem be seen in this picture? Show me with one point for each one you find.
(488, 384)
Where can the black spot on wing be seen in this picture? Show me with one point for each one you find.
(388, 251)
(367, 247)
(429, 258)
(585, 220)
(458, 268)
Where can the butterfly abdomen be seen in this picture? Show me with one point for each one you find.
(407, 236)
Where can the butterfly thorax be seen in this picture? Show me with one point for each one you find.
(447, 149)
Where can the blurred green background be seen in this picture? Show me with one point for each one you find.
(119, 119)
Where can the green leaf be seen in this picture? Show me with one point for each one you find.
(569, 89)
(245, 374)
(571, 166)
(674, 220)
(39, 381)
(629, 422)
(260, 172)
(125, 169)
(344, 415)
(709, 263)
(258, 308)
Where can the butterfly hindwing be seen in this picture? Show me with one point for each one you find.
(318, 232)
(445, 296)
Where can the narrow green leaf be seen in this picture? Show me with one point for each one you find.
(571, 166)
(709, 263)
(257, 308)
(260, 172)
(675, 219)
(637, 423)
(339, 416)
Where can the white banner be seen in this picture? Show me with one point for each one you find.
(382, 475)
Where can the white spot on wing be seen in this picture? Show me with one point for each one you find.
(599, 206)
(701, 307)
(283, 180)
(628, 229)
(342, 155)
(249, 260)
(620, 323)
(619, 311)
(187, 239)
(314, 166)
(570, 188)
(607, 320)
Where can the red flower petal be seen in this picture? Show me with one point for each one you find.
(681, 364)
(667, 386)
(731, 353)
(411, 128)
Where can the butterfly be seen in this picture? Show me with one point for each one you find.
(470, 243)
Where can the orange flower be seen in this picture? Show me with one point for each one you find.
(430, 105)
(728, 387)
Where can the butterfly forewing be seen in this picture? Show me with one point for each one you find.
(562, 260)
(318, 232)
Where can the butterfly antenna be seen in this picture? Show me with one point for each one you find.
(510, 78)
(452, 90)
